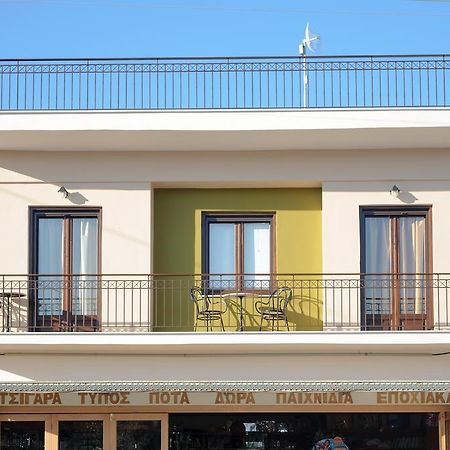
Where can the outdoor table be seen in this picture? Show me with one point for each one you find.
(6, 298)
(240, 296)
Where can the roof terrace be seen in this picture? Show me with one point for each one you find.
(223, 83)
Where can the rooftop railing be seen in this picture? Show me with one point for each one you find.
(406, 81)
(224, 303)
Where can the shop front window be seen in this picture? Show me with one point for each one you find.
(27, 435)
(387, 431)
(80, 435)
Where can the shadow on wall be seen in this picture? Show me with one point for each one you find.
(77, 198)
(407, 197)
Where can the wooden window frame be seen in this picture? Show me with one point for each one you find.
(238, 218)
(37, 212)
(49, 436)
(104, 418)
(65, 213)
(163, 418)
(400, 211)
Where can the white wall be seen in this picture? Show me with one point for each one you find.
(126, 215)
(341, 202)
(234, 169)
(120, 183)
(224, 130)
(125, 243)
(222, 367)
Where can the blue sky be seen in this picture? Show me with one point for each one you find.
(120, 28)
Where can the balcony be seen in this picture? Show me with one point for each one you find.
(180, 303)
(407, 81)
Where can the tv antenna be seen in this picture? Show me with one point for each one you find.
(310, 42)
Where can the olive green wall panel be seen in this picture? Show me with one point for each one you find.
(177, 248)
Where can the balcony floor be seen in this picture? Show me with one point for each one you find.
(234, 130)
(342, 342)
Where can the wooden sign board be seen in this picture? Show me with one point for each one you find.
(221, 398)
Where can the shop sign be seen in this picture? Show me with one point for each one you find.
(223, 398)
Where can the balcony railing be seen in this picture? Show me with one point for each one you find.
(188, 303)
(405, 81)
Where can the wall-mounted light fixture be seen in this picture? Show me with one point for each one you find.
(395, 191)
(63, 191)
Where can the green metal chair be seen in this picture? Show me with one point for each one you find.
(275, 308)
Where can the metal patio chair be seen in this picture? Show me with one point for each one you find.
(206, 309)
(275, 308)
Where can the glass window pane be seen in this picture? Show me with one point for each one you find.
(412, 261)
(22, 435)
(81, 435)
(222, 242)
(50, 246)
(378, 245)
(85, 262)
(282, 431)
(378, 261)
(85, 245)
(50, 261)
(139, 435)
(257, 255)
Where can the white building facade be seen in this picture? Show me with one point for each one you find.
(222, 273)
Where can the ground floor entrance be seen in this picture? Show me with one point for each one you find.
(225, 430)
(360, 431)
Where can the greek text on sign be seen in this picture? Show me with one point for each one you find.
(222, 398)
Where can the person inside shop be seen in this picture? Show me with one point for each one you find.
(336, 443)
(237, 431)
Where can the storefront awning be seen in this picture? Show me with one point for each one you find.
(209, 386)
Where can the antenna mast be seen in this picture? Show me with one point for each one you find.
(309, 42)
